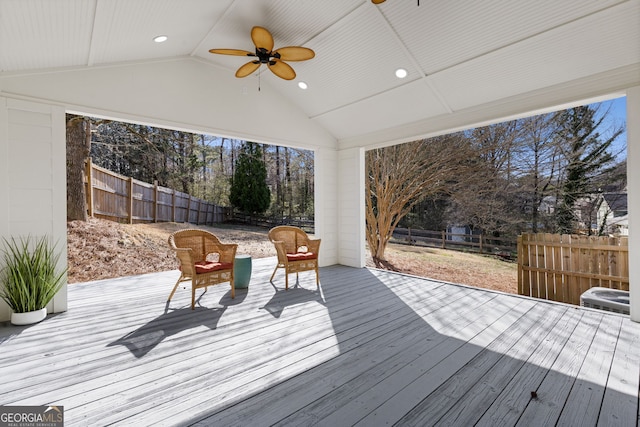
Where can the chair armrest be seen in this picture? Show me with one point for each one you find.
(227, 252)
(280, 250)
(187, 264)
(313, 245)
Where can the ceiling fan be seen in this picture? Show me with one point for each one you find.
(263, 40)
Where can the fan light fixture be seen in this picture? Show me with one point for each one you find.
(303, 85)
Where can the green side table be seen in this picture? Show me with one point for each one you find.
(242, 271)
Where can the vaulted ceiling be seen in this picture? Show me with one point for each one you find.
(469, 60)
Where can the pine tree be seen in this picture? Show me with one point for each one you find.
(586, 155)
(249, 190)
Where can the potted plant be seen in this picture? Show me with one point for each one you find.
(29, 278)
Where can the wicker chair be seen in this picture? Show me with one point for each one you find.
(296, 252)
(203, 260)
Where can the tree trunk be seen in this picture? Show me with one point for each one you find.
(279, 197)
(78, 148)
(288, 185)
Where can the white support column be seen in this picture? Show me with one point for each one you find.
(633, 197)
(33, 189)
(59, 196)
(351, 218)
(5, 311)
(326, 204)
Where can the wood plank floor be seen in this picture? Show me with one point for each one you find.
(369, 348)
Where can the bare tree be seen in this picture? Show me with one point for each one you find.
(540, 162)
(486, 200)
(400, 176)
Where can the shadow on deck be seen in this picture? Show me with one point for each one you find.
(369, 347)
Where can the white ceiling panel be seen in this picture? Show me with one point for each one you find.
(550, 58)
(406, 104)
(353, 62)
(44, 33)
(442, 34)
(124, 29)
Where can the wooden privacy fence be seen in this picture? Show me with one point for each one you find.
(561, 267)
(120, 198)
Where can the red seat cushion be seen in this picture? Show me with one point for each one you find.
(299, 256)
(209, 266)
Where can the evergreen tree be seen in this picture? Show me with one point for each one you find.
(586, 156)
(249, 190)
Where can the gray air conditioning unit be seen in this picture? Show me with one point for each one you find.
(606, 299)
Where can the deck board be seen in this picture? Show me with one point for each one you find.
(546, 407)
(513, 399)
(477, 383)
(619, 406)
(367, 348)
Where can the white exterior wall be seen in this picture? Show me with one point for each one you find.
(351, 220)
(33, 179)
(633, 197)
(182, 94)
(326, 204)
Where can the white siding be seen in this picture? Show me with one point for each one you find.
(351, 225)
(33, 178)
(633, 194)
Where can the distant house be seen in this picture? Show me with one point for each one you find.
(613, 213)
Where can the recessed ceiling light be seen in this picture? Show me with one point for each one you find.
(302, 85)
(401, 73)
(160, 39)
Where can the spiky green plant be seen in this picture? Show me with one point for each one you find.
(29, 275)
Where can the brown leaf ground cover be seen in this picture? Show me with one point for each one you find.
(100, 249)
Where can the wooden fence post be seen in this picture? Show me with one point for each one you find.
(89, 173)
(480, 243)
(173, 205)
(155, 200)
(520, 261)
(188, 218)
(443, 238)
(130, 200)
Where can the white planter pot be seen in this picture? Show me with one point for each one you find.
(29, 317)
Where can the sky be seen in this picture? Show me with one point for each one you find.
(617, 116)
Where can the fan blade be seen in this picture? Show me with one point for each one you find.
(377, 1)
(295, 53)
(247, 69)
(282, 69)
(262, 38)
(236, 52)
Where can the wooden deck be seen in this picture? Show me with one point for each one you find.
(371, 348)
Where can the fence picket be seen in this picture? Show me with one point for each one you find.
(549, 266)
